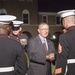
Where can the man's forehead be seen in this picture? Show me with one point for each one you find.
(44, 25)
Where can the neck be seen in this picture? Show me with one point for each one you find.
(42, 37)
(2, 31)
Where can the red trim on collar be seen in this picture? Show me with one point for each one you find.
(3, 36)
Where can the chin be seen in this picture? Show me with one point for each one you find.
(45, 36)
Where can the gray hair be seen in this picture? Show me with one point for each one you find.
(41, 24)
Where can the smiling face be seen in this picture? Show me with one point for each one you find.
(16, 32)
(43, 30)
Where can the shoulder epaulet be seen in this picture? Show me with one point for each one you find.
(12, 38)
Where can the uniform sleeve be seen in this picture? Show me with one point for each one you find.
(35, 55)
(62, 55)
(53, 51)
(53, 47)
(21, 65)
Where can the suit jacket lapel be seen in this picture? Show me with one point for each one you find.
(49, 46)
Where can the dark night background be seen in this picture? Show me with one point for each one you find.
(55, 5)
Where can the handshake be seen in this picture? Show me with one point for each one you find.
(50, 57)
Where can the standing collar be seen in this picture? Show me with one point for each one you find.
(3, 35)
(71, 28)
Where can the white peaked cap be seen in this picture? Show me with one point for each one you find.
(17, 23)
(66, 13)
(6, 19)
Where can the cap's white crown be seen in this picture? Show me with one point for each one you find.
(6, 18)
(66, 13)
(17, 22)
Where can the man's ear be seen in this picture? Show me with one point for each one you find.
(38, 30)
(8, 28)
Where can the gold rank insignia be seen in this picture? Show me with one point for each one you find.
(59, 48)
(23, 42)
(58, 71)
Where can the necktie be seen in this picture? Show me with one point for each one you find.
(45, 47)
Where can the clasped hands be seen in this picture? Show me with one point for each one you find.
(50, 57)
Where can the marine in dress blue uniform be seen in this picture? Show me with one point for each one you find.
(12, 61)
(65, 64)
(17, 35)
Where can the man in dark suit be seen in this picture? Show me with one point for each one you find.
(41, 52)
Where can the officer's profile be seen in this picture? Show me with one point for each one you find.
(66, 51)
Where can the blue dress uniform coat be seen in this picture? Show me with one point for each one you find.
(22, 38)
(38, 63)
(65, 64)
(11, 55)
